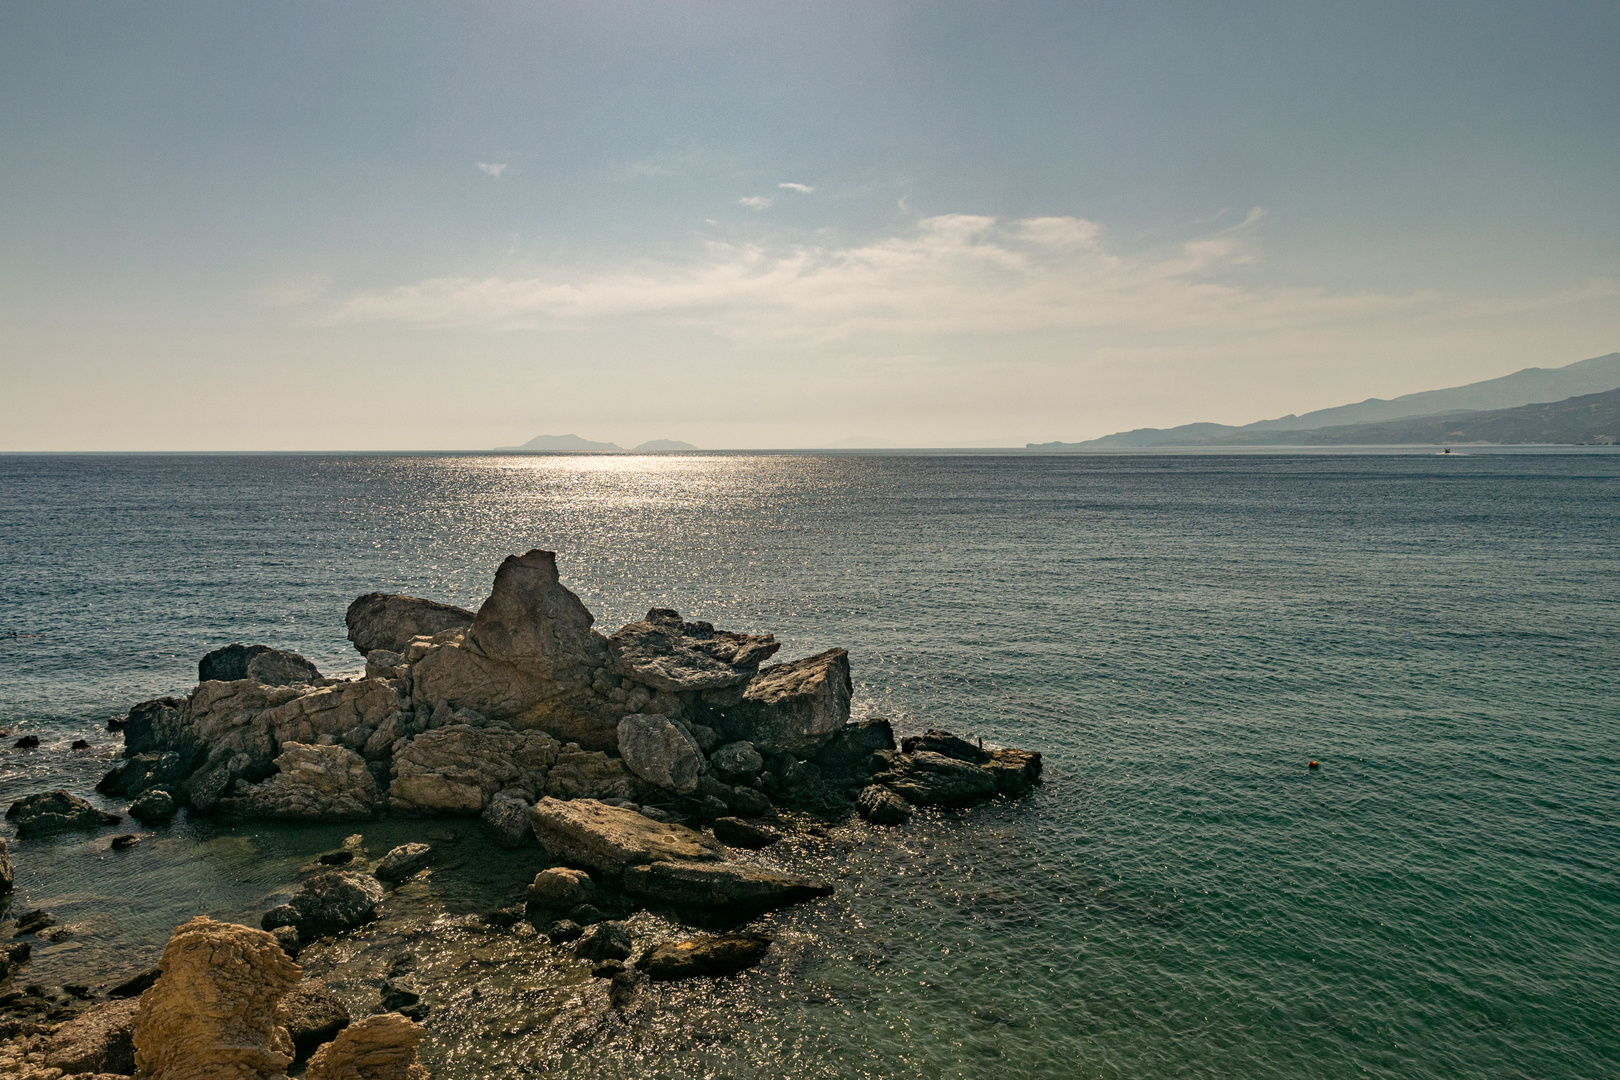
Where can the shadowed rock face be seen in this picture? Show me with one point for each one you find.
(668, 654)
(98, 1040)
(216, 1012)
(381, 1047)
(272, 667)
(388, 621)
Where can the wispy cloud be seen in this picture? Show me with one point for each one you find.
(493, 168)
(802, 188)
(756, 202)
(953, 274)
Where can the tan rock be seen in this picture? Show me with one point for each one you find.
(216, 1011)
(589, 774)
(798, 706)
(381, 1047)
(312, 783)
(458, 769)
(388, 621)
(98, 1040)
(608, 838)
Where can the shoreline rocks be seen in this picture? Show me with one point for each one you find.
(55, 812)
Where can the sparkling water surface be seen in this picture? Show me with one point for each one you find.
(1178, 635)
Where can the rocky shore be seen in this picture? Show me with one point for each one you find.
(654, 768)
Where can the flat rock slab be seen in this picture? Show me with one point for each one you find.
(609, 838)
(668, 654)
(719, 885)
(712, 956)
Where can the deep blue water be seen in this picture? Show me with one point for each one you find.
(1179, 636)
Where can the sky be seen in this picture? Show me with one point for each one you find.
(283, 226)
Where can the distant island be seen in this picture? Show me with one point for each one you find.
(1578, 404)
(553, 444)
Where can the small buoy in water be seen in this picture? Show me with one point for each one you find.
(1315, 764)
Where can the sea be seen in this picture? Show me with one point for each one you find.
(1179, 635)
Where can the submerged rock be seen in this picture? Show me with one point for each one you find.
(458, 769)
(389, 622)
(216, 1012)
(13, 955)
(381, 1047)
(328, 903)
(261, 663)
(713, 956)
(56, 811)
(661, 753)
(403, 861)
(663, 652)
(708, 886)
(609, 838)
(312, 783)
(314, 1016)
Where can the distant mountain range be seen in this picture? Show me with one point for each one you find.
(553, 444)
(1573, 402)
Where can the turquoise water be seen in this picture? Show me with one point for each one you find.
(1179, 636)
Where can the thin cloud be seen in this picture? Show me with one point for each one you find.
(493, 168)
(804, 189)
(756, 202)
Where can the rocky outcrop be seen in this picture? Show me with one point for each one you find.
(216, 1012)
(314, 1016)
(99, 1040)
(381, 1047)
(54, 812)
(589, 774)
(881, 806)
(153, 807)
(719, 885)
(328, 903)
(794, 707)
(712, 956)
(403, 861)
(389, 622)
(665, 653)
(608, 839)
(661, 753)
(929, 779)
(312, 783)
(143, 772)
(506, 819)
(261, 663)
(460, 768)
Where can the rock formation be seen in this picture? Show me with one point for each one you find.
(794, 707)
(216, 1012)
(312, 783)
(660, 752)
(56, 811)
(665, 653)
(714, 956)
(314, 1016)
(99, 1040)
(328, 903)
(459, 769)
(381, 1047)
(381, 621)
(272, 667)
(605, 838)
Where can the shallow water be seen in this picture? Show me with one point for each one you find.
(1179, 635)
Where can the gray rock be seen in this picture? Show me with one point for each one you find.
(562, 888)
(710, 886)
(268, 666)
(142, 772)
(665, 653)
(734, 832)
(929, 779)
(387, 621)
(99, 1040)
(314, 1016)
(798, 706)
(605, 838)
(55, 811)
(700, 956)
(403, 861)
(746, 802)
(312, 783)
(7, 874)
(507, 820)
(660, 752)
(604, 941)
(943, 742)
(458, 769)
(737, 759)
(329, 903)
(881, 806)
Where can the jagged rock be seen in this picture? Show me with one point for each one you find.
(795, 707)
(881, 806)
(8, 876)
(13, 955)
(150, 725)
(604, 941)
(216, 1012)
(713, 956)
(314, 1016)
(142, 772)
(929, 779)
(589, 774)
(734, 832)
(312, 783)
(389, 622)
(506, 819)
(403, 861)
(381, 1047)
(328, 903)
(605, 838)
(458, 769)
(55, 811)
(943, 742)
(709, 886)
(561, 888)
(99, 1040)
(272, 667)
(737, 759)
(660, 752)
(1016, 771)
(529, 657)
(668, 654)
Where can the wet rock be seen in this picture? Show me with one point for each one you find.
(746, 802)
(32, 922)
(589, 774)
(1015, 771)
(737, 759)
(8, 875)
(399, 998)
(79, 744)
(99, 1040)
(27, 742)
(605, 838)
(505, 918)
(216, 1011)
(561, 888)
(55, 811)
(312, 783)
(507, 821)
(287, 938)
(329, 903)
(663, 652)
(153, 807)
(712, 956)
(143, 772)
(135, 985)
(342, 857)
(563, 931)
(314, 1016)
(623, 988)
(796, 707)
(458, 769)
(708, 886)
(734, 832)
(604, 941)
(123, 842)
(379, 1047)
(881, 806)
(13, 955)
(929, 779)
(607, 969)
(586, 915)
(851, 754)
(403, 861)
(261, 663)
(388, 622)
(943, 742)
(660, 753)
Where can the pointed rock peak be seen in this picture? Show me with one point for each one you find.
(666, 653)
(531, 616)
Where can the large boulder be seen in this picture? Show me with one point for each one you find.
(54, 812)
(506, 819)
(263, 664)
(562, 888)
(314, 1016)
(328, 903)
(700, 886)
(99, 1040)
(381, 1047)
(312, 783)
(740, 758)
(795, 707)
(216, 1011)
(665, 653)
(153, 807)
(388, 621)
(151, 725)
(607, 839)
(458, 769)
(661, 753)
(529, 657)
(929, 779)
(713, 956)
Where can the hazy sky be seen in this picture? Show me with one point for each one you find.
(458, 225)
